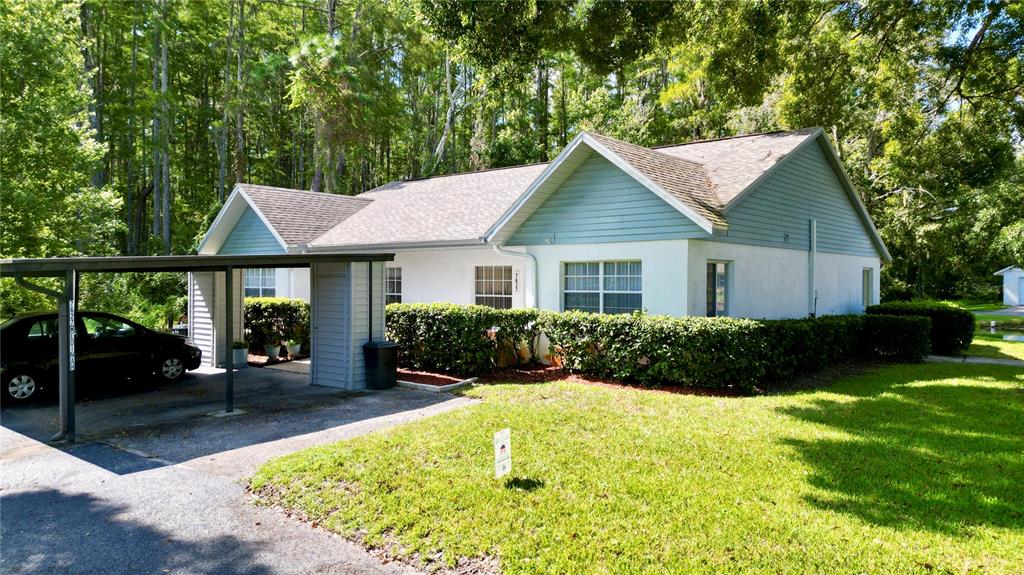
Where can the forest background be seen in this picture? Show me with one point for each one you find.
(125, 123)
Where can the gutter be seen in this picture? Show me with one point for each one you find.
(533, 265)
(385, 246)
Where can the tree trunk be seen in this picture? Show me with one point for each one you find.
(240, 159)
(165, 142)
(541, 111)
(449, 116)
(157, 161)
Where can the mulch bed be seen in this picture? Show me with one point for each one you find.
(262, 360)
(546, 373)
(427, 378)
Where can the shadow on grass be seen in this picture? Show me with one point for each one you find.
(523, 483)
(936, 455)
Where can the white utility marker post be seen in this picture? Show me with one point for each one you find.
(502, 453)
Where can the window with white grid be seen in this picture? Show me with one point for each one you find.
(493, 286)
(393, 285)
(603, 287)
(260, 282)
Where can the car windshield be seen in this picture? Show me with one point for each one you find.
(8, 323)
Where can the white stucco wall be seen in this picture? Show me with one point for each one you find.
(296, 282)
(772, 283)
(838, 280)
(1012, 284)
(448, 275)
(664, 270)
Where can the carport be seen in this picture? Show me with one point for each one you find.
(348, 296)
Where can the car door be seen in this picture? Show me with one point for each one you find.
(39, 347)
(111, 347)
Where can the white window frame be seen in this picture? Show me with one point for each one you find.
(262, 288)
(392, 284)
(477, 296)
(601, 291)
(728, 287)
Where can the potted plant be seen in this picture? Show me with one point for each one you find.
(273, 350)
(294, 347)
(239, 354)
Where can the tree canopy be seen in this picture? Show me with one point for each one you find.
(125, 122)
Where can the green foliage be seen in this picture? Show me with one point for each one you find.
(48, 149)
(659, 350)
(900, 337)
(464, 340)
(721, 352)
(272, 320)
(952, 327)
(649, 350)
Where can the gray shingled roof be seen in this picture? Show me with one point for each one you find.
(704, 175)
(734, 163)
(460, 207)
(299, 216)
(685, 180)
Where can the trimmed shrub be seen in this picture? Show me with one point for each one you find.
(900, 337)
(658, 350)
(271, 320)
(952, 327)
(802, 346)
(461, 339)
(652, 351)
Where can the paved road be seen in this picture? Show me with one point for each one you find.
(169, 498)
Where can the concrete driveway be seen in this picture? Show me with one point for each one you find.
(156, 485)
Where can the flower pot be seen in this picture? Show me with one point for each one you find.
(240, 357)
(272, 351)
(294, 349)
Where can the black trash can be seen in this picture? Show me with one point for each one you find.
(381, 364)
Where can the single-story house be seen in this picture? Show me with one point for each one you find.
(762, 226)
(1013, 285)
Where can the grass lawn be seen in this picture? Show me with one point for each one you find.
(904, 469)
(988, 345)
(979, 306)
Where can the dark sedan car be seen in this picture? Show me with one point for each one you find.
(106, 346)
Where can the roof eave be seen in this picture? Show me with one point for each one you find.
(398, 246)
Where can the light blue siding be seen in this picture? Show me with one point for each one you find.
(331, 323)
(250, 236)
(600, 203)
(804, 188)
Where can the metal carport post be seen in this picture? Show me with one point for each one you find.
(67, 302)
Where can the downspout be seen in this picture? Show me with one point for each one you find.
(812, 292)
(533, 267)
(66, 309)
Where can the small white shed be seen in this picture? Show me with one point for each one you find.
(1013, 285)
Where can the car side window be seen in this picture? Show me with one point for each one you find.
(42, 330)
(105, 327)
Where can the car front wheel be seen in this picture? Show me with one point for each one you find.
(22, 385)
(171, 368)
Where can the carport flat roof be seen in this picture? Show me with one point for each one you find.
(43, 267)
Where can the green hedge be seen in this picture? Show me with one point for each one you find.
(901, 337)
(274, 320)
(465, 340)
(952, 327)
(649, 350)
(725, 352)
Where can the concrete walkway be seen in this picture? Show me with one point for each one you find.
(1014, 311)
(170, 498)
(974, 360)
